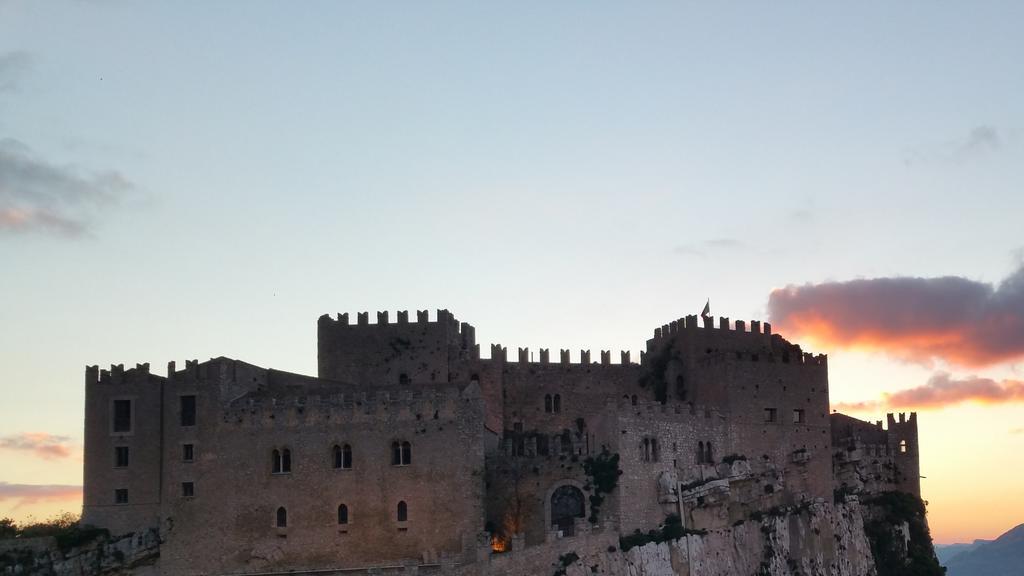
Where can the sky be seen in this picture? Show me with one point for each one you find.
(187, 180)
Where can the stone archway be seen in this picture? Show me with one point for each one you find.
(567, 504)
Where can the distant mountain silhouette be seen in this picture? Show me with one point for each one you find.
(1003, 556)
(946, 552)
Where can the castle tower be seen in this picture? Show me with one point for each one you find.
(903, 447)
(392, 353)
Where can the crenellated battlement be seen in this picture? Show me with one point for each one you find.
(693, 322)
(383, 318)
(392, 406)
(565, 357)
(891, 419)
(115, 375)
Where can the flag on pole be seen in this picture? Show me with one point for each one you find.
(707, 310)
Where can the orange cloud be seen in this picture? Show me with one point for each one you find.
(954, 319)
(24, 494)
(942, 390)
(43, 445)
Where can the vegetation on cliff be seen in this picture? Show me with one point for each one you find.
(603, 473)
(672, 529)
(66, 529)
(891, 510)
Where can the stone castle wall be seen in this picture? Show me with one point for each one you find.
(491, 438)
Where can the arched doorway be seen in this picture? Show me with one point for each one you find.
(566, 506)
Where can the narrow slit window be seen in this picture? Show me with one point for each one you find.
(557, 405)
(121, 457)
(188, 410)
(342, 514)
(122, 415)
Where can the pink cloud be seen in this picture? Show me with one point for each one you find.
(41, 444)
(940, 391)
(24, 494)
(953, 319)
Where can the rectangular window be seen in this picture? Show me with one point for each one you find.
(188, 489)
(188, 452)
(798, 416)
(770, 415)
(188, 410)
(121, 496)
(120, 456)
(122, 415)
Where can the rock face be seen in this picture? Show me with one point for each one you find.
(131, 554)
(822, 539)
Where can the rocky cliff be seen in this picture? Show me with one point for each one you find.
(134, 554)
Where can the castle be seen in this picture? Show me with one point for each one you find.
(409, 448)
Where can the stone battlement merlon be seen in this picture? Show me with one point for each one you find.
(442, 317)
(585, 358)
(115, 375)
(693, 322)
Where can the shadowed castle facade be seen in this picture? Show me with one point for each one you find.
(408, 447)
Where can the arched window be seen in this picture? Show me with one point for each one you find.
(558, 403)
(547, 403)
(342, 457)
(342, 514)
(633, 399)
(282, 517)
(681, 388)
(700, 452)
(286, 461)
(403, 512)
(708, 455)
(401, 453)
(275, 465)
(566, 442)
(649, 450)
(567, 504)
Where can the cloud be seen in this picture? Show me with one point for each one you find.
(12, 66)
(954, 319)
(43, 445)
(981, 139)
(24, 494)
(708, 246)
(943, 390)
(38, 196)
